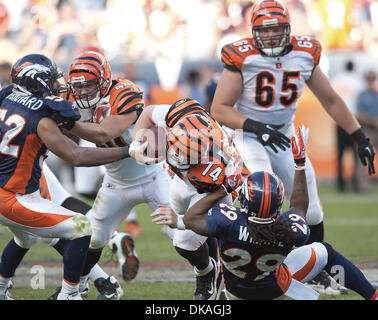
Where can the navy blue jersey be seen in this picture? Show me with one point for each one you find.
(21, 149)
(250, 265)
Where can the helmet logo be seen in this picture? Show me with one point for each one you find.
(31, 70)
(269, 22)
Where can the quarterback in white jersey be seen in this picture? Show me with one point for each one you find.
(109, 109)
(257, 93)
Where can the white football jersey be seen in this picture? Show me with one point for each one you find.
(271, 85)
(123, 97)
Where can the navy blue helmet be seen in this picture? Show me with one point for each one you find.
(261, 197)
(38, 75)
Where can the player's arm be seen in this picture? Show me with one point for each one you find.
(70, 152)
(195, 217)
(111, 127)
(340, 113)
(228, 90)
(299, 197)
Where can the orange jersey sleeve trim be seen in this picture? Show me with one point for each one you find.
(11, 209)
(124, 97)
(20, 178)
(43, 188)
(308, 44)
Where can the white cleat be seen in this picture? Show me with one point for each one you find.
(72, 296)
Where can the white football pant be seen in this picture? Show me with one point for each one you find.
(116, 199)
(259, 158)
(183, 196)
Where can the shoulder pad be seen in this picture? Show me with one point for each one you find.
(234, 54)
(308, 44)
(63, 107)
(124, 97)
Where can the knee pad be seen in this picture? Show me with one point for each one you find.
(99, 239)
(82, 226)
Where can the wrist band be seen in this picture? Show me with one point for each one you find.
(125, 152)
(134, 145)
(298, 168)
(180, 222)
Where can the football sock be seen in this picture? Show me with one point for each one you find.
(198, 258)
(203, 272)
(316, 233)
(74, 257)
(69, 288)
(76, 205)
(348, 273)
(4, 284)
(97, 272)
(92, 258)
(10, 259)
(213, 247)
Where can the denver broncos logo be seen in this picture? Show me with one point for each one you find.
(28, 69)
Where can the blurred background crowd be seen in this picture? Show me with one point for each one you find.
(171, 49)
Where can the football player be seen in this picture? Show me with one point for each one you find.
(262, 79)
(202, 157)
(50, 188)
(256, 241)
(31, 116)
(109, 109)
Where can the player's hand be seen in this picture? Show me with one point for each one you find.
(365, 150)
(164, 215)
(63, 122)
(267, 135)
(298, 146)
(366, 153)
(138, 152)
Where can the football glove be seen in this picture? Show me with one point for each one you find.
(365, 150)
(63, 122)
(267, 135)
(298, 147)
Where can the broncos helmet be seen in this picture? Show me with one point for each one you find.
(37, 74)
(261, 197)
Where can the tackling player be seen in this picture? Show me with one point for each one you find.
(203, 158)
(30, 117)
(256, 241)
(109, 109)
(262, 80)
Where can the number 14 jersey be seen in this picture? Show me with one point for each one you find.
(271, 85)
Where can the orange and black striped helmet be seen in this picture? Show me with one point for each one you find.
(270, 14)
(90, 78)
(189, 141)
(261, 197)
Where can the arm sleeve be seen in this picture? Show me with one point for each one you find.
(159, 113)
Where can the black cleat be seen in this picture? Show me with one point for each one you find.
(109, 289)
(206, 286)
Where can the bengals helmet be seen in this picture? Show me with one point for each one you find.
(270, 14)
(90, 79)
(37, 74)
(189, 141)
(261, 197)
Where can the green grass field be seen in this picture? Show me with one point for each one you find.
(351, 226)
